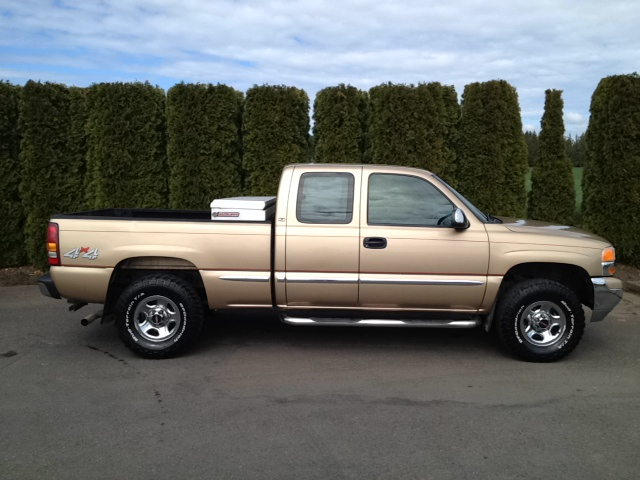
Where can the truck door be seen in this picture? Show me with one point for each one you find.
(410, 256)
(322, 237)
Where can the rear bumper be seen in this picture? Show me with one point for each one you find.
(47, 287)
(607, 292)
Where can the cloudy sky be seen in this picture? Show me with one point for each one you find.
(534, 45)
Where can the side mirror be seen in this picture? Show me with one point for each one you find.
(459, 220)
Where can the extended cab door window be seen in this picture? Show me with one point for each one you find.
(325, 198)
(403, 200)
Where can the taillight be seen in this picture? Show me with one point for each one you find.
(53, 245)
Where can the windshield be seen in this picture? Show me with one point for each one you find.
(483, 217)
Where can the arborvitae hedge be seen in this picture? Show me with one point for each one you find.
(49, 180)
(340, 124)
(552, 197)
(450, 132)
(492, 154)
(275, 133)
(77, 144)
(204, 144)
(11, 211)
(611, 181)
(413, 126)
(126, 158)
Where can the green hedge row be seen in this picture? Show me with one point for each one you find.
(340, 126)
(12, 214)
(127, 145)
(126, 140)
(275, 133)
(204, 144)
(611, 181)
(51, 159)
(414, 126)
(492, 153)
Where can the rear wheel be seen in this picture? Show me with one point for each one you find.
(540, 320)
(159, 316)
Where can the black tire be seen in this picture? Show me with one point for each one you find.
(159, 316)
(540, 320)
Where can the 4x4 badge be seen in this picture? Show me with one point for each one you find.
(83, 252)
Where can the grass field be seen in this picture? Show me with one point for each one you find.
(577, 182)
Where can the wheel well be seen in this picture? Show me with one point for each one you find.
(131, 269)
(571, 276)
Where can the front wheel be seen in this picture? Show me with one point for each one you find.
(540, 320)
(159, 316)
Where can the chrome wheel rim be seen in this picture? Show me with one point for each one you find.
(157, 318)
(543, 323)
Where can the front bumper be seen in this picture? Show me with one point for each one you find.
(607, 292)
(47, 287)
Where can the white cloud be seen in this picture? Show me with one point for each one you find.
(315, 43)
(573, 118)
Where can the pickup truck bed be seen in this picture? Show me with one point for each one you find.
(142, 240)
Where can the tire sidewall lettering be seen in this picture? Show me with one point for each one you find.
(128, 316)
(516, 323)
(572, 324)
(184, 321)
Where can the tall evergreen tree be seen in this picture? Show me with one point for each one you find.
(275, 133)
(611, 181)
(413, 126)
(11, 211)
(492, 153)
(77, 160)
(552, 197)
(50, 177)
(450, 124)
(204, 145)
(126, 158)
(340, 122)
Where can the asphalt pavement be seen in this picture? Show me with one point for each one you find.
(257, 399)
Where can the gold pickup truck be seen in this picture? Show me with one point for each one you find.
(353, 245)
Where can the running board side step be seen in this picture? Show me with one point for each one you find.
(371, 322)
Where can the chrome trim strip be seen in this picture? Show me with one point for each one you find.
(355, 322)
(280, 277)
(401, 281)
(245, 278)
(321, 280)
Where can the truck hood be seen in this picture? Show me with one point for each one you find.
(544, 228)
